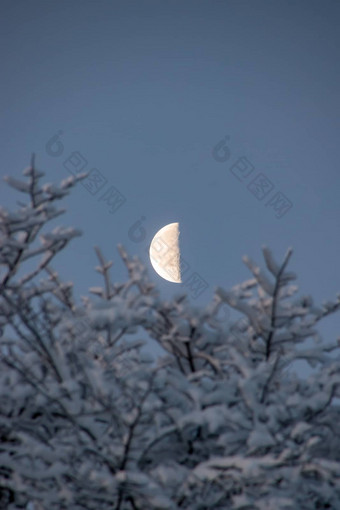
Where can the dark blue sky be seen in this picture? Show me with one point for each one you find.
(144, 90)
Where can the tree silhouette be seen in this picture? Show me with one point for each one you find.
(88, 420)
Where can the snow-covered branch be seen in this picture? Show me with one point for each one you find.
(89, 419)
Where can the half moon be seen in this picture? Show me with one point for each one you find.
(165, 254)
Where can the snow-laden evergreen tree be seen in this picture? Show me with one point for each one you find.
(88, 420)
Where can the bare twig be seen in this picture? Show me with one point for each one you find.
(274, 302)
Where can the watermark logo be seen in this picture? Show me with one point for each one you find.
(137, 232)
(94, 182)
(54, 147)
(113, 198)
(260, 186)
(221, 151)
(280, 203)
(242, 168)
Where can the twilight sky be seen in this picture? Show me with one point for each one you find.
(221, 115)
